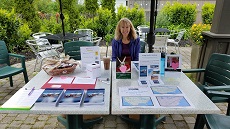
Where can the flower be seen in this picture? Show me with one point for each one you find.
(196, 32)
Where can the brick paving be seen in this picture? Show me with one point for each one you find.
(43, 121)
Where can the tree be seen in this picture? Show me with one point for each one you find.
(27, 11)
(136, 14)
(70, 9)
(110, 5)
(91, 7)
(7, 4)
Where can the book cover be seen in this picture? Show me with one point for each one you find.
(50, 97)
(123, 67)
(71, 97)
(94, 97)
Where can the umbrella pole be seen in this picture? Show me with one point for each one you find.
(151, 34)
(62, 18)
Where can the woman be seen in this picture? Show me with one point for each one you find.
(125, 42)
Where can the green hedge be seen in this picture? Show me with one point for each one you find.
(207, 13)
(177, 14)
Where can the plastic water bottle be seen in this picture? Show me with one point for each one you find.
(162, 68)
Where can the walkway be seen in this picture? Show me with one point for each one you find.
(27, 121)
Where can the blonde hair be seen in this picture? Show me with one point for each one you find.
(132, 33)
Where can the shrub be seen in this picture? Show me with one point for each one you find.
(207, 13)
(180, 14)
(8, 29)
(196, 33)
(136, 14)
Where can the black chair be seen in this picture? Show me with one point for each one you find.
(214, 121)
(6, 70)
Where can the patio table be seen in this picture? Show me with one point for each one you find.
(75, 114)
(61, 37)
(202, 104)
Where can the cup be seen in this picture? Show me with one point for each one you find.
(106, 61)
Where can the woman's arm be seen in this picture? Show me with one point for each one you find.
(137, 49)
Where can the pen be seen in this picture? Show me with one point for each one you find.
(31, 91)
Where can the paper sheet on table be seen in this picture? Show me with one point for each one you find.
(135, 97)
(21, 100)
(61, 80)
(79, 80)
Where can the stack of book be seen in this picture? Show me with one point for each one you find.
(94, 97)
(71, 97)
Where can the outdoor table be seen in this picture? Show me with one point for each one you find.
(61, 37)
(202, 104)
(75, 114)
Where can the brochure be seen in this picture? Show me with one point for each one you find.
(49, 97)
(71, 97)
(94, 97)
(149, 65)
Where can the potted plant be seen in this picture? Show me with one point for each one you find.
(106, 59)
(197, 42)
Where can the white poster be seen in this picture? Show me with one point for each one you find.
(149, 67)
(90, 55)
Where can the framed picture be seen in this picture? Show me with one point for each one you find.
(173, 63)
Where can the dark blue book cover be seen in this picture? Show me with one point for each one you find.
(50, 96)
(94, 96)
(72, 96)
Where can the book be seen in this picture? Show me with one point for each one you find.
(94, 97)
(49, 97)
(23, 99)
(71, 97)
(123, 67)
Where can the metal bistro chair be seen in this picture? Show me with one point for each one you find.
(142, 31)
(89, 36)
(160, 43)
(177, 40)
(42, 51)
(41, 41)
(6, 70)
